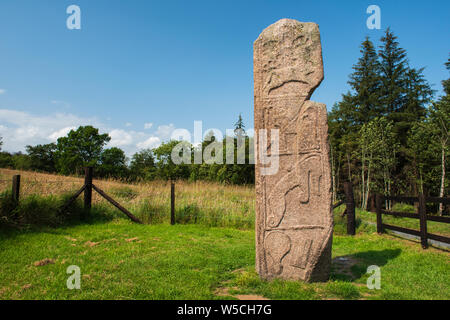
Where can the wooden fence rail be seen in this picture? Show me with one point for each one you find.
(421, 215)
(86, 188)
(89, 186)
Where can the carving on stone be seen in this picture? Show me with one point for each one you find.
(277, 246)
(308, 138)
(293, 206)
(310, 172)
(301, 253)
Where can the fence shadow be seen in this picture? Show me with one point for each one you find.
(353, 267)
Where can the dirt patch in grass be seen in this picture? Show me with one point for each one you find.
(27, 286)
(250, 297)
(91, 244)
(225, 292)
(43, 262)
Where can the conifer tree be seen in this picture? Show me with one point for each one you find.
(394, 65)
(366, 84)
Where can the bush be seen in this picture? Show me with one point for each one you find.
(150, 213)
(7, 210)
(39, 211)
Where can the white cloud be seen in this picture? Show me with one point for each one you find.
(120, 138)
(26, 129)
(128, 124)
(165, 131)
(151, 142)
(60, 133)
(2, 91)
(19, 129)
(148, 125)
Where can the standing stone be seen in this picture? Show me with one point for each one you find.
(294, 220)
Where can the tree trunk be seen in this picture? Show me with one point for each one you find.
(368, 183)
(333, 173)
(363, 169)
(349, 169)
(441, 193)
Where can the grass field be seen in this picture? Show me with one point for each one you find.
(209, 256)
(201, 202)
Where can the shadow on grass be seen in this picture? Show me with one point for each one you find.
(353, 267)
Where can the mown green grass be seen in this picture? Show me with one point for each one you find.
(209, 254)
(130, 261)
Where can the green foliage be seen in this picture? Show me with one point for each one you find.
(424, 154)
(6, 160)
(383, 134)
(34, 211)
(365, 82)
(81, 148)
(166, 168)
(149, 213)
(188, 214)
(113, 163)
(42, 157)
(7, 211)
(142, 166)
(21, 161)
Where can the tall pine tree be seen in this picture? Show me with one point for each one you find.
(366, 84)
(394, 65)
(358, 106)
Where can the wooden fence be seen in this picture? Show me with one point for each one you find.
(349, 201)
(87, 188)
(421, 215)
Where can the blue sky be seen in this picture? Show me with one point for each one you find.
(168, 63)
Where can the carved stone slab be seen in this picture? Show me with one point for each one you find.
(294, 220)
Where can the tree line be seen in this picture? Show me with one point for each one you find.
(85, 146)
(389, 134)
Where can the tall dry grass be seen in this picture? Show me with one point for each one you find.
(195, 202)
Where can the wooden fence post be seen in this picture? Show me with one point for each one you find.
(88, 173)
(378, 201)
(172, 202)
(423, 221)
(16, 188)
(350, 204)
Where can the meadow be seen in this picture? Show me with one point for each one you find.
(199, 202)
(208, 254)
